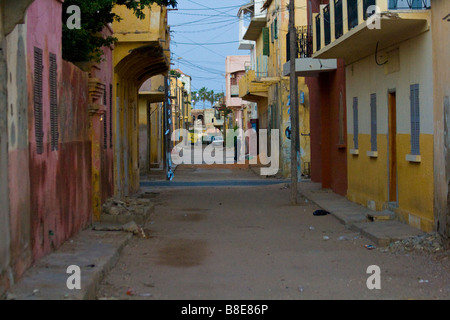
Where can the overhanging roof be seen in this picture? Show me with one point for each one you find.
(254, 28)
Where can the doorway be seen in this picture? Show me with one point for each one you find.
(392, 145)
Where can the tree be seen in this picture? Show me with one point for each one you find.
(85, 44)
(195, 97)
(203, 95)
(211, 97)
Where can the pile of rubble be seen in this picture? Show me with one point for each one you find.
(126, 206)
(428, 243)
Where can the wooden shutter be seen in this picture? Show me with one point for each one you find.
(275, 28)
(415, 119)
(37, 95)
(53, 79)
(355, 123)
(373, 122)
(266, 41)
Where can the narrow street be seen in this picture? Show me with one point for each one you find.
(247, 242)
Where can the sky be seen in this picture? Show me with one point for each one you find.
(203, 33)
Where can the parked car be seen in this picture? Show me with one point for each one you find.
(217, 141)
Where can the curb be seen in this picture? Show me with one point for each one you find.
(355, 216)
(95, 252)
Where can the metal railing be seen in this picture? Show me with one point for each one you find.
(304, 43)
(338, 20)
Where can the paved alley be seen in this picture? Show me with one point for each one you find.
(248, 242)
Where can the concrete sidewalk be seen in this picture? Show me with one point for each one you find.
(95, 252)
(356, 217)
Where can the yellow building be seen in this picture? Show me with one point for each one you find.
(391, 85)
(264, 83)
(142, 51)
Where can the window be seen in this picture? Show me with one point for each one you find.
(37, 93)
(355, 123)
(373, 122)
(266, 42)
(53, 74)
(415, 119)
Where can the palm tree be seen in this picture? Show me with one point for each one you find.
(211, 97)
(203, 95)
(195, 97)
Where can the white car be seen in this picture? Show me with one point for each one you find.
(217, 141)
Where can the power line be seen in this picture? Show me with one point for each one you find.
(206, 44)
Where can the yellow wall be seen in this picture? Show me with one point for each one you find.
(368, 182)
(129, 63)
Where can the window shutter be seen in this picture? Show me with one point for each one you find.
(275, 28)
(415, 119)
(272, 33)
(373, 122)
(266, 41)
(37, 92)
(355, 122)
(53, 77)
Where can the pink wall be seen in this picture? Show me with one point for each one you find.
(60, 181)
(234, 64)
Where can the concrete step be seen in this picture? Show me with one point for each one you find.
(384, 215)
(94, 252)
(382, 233)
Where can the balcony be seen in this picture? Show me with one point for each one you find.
(234, 91)
(258, 20)
(346, 28)
(305, 65)
(252, 88)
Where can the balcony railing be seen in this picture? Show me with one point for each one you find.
(341, 16)
(352, 9)
(338, 21)
(304, 43)
(327, 24)
(366, 5)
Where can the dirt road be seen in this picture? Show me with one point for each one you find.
(234, 242)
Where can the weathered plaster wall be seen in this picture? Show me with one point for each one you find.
(368, 177)
(18, 155)
(60, 181)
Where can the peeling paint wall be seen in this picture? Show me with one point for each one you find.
(18, 157)
(4, 201)
(60, 180)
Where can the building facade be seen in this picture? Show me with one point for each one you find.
(393, 94)
(265, 81)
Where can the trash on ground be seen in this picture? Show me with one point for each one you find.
(320, 213)
(326, 238)
(369, 247)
